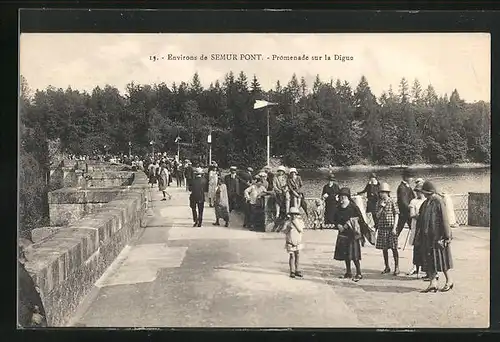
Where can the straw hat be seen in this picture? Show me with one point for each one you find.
(262, 174)
(292, 169)
(199, 170)
(233, 168)
(249, 169)
(384, 187)
(294, 211)
(282, 168)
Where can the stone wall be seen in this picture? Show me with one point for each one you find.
(66, 264)
(479, 209)
(68, 205)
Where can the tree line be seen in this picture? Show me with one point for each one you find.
(329, 123)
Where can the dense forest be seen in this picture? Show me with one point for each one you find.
(328, 123)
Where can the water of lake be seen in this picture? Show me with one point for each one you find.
(451, 181)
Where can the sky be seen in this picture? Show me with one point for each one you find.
(84, 61)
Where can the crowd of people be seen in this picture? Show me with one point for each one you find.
(418, 205)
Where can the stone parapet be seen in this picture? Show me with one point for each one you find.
(68, 205)
(479, 209)
(66, 264)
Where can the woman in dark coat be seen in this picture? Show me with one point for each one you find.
(371, 190)
(434, 237)
(329, 194)
(348, 245)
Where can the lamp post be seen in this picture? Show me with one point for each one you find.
(261, 104)
(209, 140)
(177, 140)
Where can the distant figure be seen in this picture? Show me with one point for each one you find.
(371, 190)
(162, 182)
(329, 194)
(318, 214)
(293, 229)
(253, 196)
(280, 189)
(270, 177)
(221, 203)
(405, 195)
(415, 205)
(152, 174)
(212, 183)
(294, 189)
(197, 197)
(188, 174)
(233, 187)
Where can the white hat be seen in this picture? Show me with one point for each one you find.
(233, 168)
(292, 169)
(199, 170)
(262, 174)
(282, 168)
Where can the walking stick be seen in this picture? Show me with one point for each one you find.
(407, 236)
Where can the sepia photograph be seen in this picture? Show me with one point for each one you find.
(254, 180)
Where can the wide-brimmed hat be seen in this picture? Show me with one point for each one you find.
(345, 192)
(281, 168)
(418, 187)
(428, 188)
(294, 211)
(331, 176)
(198, 170)
(408, 173)
(249, 169)
(384, 187)
(256, 177)
(292, 169)
(419, 181)
(233, 168)
(267, 167)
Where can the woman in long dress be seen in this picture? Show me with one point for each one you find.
(371, 190)
(212, 184)
(221, 202)
(434, 237)
(414, 206)
(329, 194)
(163, 181)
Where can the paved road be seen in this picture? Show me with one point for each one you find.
(174, 275)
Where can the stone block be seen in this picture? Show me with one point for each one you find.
(479, 209)
(42, 233)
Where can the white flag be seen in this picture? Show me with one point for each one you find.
(261, 104)
(209, 139)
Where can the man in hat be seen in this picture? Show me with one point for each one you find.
(188, 174)
(270, 177)
(233, 187)
(280, 189)
(405, 195)
(197, 197)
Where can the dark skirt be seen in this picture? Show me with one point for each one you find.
(347, 249)
(152, 179)
(439, 259)
(330, 209)
(418, 257)
(371, 206)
